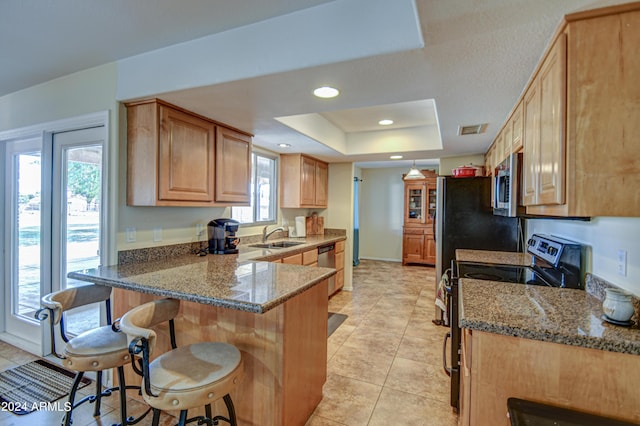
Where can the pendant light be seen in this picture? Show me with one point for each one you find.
(414, 173)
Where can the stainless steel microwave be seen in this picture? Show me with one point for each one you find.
(506, 187)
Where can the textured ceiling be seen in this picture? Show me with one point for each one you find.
(476, 58)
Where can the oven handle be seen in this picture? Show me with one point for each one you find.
(447, 369)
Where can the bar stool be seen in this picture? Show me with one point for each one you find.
(186, 377)
(96, 350)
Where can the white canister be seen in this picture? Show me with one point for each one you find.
(617, 305)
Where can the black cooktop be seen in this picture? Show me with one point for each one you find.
(495, 272)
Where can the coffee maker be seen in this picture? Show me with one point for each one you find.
(222, 236)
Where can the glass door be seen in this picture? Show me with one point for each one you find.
(52, 225)
(77, 189)
(414, 203)
(24, 240)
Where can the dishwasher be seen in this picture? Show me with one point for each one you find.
(327, 259)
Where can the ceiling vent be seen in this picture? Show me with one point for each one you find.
(474, 129)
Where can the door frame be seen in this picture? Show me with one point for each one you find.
(108, 212)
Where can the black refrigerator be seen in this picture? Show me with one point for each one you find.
(465, 220)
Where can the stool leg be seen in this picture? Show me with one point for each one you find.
(72, 397)
(122, 387)
(96, 410)
(156, 417)
(208, 415)
(183, 418)
(232, 412)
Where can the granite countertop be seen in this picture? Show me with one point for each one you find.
(312, 241)
(558, 315)
(489, 256)
(241, 281)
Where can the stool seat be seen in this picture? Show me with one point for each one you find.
(97, 349)
(194, 375)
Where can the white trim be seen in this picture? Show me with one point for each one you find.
(20, 343)
(88, 120)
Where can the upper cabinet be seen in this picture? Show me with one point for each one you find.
(177, 158)
(544, 111)
(304, 181)
(581, 118)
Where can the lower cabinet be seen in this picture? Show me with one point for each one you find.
(496, 367)
(418, 245)
(339, 280)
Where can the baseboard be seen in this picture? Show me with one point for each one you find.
(381, 259)
(21, 343)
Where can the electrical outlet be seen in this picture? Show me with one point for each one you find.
(157, 234)
(622, 262)
(131, 234)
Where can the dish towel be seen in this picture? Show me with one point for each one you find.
(441, 296)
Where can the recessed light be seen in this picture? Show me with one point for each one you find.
(326, 92)
(284, 145)
(385, 122)
(396, 157)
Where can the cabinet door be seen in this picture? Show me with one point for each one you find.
(186, 157)
(517, 120)
(507, 139)
(307, 181)
(429, 255)
(431, 202)
(553, 79)
(531, 161)
(414, 201)
(413, 248)
(321, 184)
(233, 166)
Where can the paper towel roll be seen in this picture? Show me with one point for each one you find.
(301, 226)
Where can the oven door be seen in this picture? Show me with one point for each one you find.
(451, 344)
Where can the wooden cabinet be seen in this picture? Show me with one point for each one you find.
(310, 258)
(517, 122)
(177, 158)
(339, 283)
(495, 367)
(544, 111)
(581, 118)
(418, 244)
(304, 181)
(233, 166)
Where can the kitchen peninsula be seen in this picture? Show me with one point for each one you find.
(275, 313)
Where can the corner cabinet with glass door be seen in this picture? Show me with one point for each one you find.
(418, 243)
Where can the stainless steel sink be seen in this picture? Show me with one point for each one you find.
(277, 244)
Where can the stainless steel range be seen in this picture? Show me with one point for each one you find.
(556, 262)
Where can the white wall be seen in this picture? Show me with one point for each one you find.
(340, 213)
(381, 213)
(74, 95)
(448, 164)
(604, 236)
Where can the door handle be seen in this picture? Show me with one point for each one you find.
(447, 369)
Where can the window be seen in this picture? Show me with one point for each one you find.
(263, 192)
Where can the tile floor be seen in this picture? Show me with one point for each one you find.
(384, 361)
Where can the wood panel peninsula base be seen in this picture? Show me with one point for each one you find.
(284, 351)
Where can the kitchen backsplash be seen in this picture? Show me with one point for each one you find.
(150, 254)
(596, 287)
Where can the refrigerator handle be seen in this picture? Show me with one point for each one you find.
(433, 225)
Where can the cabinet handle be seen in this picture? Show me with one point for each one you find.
(447, 369)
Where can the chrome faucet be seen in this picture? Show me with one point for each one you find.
(266, 234)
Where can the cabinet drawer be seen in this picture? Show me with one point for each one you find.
(414, 231)
(340, 260)
(309, 257)
(339, 246)
(296, 259)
